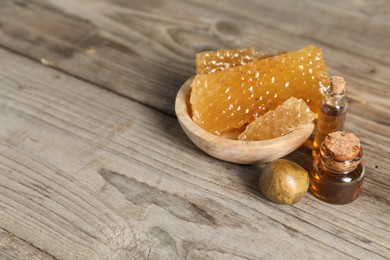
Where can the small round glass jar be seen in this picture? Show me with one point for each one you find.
(336, 181)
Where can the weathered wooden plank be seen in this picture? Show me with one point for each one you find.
(12, 247)
(87, 174)
(145, 50)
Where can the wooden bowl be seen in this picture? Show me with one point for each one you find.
(243, 152)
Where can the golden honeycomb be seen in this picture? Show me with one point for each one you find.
(287, 117)
(214, 61)
(234, 97)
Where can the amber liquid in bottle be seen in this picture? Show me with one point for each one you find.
(333, 187)
(330, 119)
(332, 112)
(338, 171)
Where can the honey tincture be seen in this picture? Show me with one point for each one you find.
(332, 112)
(338, 172)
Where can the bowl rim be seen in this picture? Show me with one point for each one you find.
(237, 151)
(184, 118)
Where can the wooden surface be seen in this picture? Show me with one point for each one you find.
(94, 165)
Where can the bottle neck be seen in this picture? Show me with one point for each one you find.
(339, 167)
(335, 100)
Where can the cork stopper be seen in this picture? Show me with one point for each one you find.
(337, 85)
(342, 146)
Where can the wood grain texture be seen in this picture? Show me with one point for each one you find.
(100, 176)
(94, 165)
(12, 247)
(149, 47)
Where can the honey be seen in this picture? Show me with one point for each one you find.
(287, 117)
(214, 61)
(337, 174)
(332, 112)
(234, 97)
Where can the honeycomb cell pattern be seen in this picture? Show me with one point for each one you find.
(214, 61)
(287, 117)
(234, 97)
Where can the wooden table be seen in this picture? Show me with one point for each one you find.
(94, 165)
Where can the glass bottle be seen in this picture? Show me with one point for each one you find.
(338, 172)
(332, 113)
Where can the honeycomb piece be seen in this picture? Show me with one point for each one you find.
(214, 61)
(237, 96)
(287, 117)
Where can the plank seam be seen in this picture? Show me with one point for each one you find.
(28, 243)
(15, 52)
